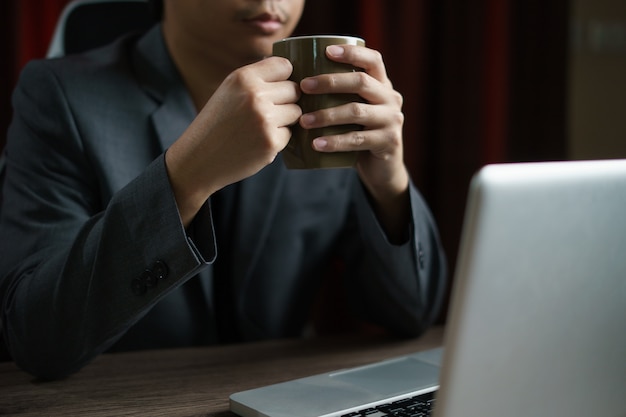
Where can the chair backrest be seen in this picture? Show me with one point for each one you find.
(87, 24)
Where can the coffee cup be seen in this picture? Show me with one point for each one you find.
(308, 57)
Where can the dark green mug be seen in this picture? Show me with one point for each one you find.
(308, 57)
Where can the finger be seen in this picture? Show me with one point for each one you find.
(369, 60)
(358, 83)
(366, 115)
(284, 92)
(286, 115)
(283, 135)
(377, 142)
(272, 69)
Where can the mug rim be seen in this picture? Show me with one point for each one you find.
(303, 37)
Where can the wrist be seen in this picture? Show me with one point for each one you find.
(188, 196)
(391, 202)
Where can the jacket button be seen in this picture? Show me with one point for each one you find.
(148, 278)
(160, 270)
(138, 286)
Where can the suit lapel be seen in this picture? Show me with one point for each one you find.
(173, 116)
(159, 77)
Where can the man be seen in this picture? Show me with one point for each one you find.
(146, 204)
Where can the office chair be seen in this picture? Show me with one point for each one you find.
(83, 25)
(87, 24)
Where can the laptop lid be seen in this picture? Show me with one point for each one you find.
(537, 323)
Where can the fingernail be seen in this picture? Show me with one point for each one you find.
(308, 84)
(320, 144)
(335, 50)
(307, 120)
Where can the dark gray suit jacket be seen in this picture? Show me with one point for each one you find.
(93, 253)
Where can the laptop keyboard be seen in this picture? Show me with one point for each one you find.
(419, 406)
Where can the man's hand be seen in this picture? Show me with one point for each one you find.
(380, 164)
(239, 131)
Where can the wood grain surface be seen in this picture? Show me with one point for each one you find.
(191, 381)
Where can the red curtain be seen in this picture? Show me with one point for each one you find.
(496, 80)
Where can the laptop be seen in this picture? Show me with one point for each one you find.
(537, 323)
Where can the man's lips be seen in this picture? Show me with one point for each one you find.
(266, 23)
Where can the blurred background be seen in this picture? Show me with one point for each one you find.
(484, 81)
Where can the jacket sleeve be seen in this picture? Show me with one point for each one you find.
(76, 272)
(400, 287)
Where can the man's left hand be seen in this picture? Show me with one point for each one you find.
(380, 164)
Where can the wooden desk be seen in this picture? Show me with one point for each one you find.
(191, 381)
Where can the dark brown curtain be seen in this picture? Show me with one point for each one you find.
(483, 81)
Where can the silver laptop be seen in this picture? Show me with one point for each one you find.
(537, 325)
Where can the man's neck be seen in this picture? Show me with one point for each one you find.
(202, 71)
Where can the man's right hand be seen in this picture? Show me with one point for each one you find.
(239, 131)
